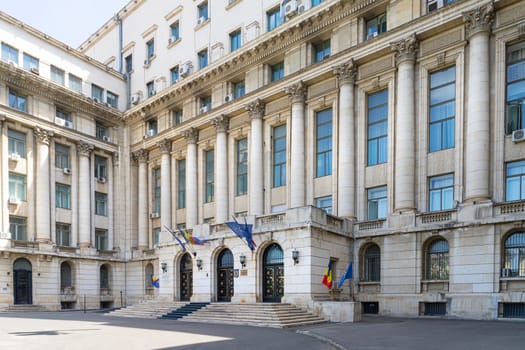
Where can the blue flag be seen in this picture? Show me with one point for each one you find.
(176, 238)
(155, 281)
(242, 231)
(346, 275)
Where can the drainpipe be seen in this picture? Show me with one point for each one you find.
(119, 46)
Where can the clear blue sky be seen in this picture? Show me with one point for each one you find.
(70, 21)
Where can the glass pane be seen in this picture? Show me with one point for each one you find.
(516, 90)
(382, 156)
(447, 92)
(442, 111)
(372, 152)
(516, 71)
(516, 168)
(442, 77)
(376, 130)
(435, 137)
(513, 189)
(448, 134)
(448, 198)
(378, 113)
(377, 98)
(435, 200)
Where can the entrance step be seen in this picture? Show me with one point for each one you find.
(184, 311)
(262, 315)
(148, 309)
(25, 308)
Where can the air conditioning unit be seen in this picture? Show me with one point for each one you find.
(201, 20)
(154, 215)
(184, 70)
(301, 8)
(204, 109)
(34, 71)
(506, 272)
(371, 35)
(135, 99)
(60, 121)
(147, 63)
(228, 98)
(290, 9)
(96, 99)
(15, 157)
(102, 179)
(171, 40)
(14, 200)
(68, 124)
(67, 171)
(106, 138)
(518, 135)
(153, 92)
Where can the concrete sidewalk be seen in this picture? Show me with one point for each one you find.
(421, 333)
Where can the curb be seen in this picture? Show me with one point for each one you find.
(322, 338)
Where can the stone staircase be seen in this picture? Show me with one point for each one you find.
(148, 309)
(25, 308)
(184, 311)
(274, 315)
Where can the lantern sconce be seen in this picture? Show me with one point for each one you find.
(295, 256)
(242, 259)
(199, 264)
(164, 267)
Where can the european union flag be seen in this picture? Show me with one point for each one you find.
(346, 275)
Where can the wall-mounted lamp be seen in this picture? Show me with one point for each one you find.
(199, 264)
(164, 267)
(8, 273)
(295, 256)
(242, 259)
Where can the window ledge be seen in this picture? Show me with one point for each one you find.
(232, 4)
(174, 43)
(199, 26)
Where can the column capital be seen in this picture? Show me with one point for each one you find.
(42, 135)
(256, 109)
(191, 135)
(346, 72)
(221, 123)
(297, 92)
(84, 148)
(479, 20)
(140, 156)
(165, 146)
(405, 49)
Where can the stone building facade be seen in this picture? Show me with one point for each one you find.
(386, 133)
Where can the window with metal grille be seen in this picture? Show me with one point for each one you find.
(514, 310)
(370, 307)
(435, 309)
(437, 260)
(372, 264)
(514, 256)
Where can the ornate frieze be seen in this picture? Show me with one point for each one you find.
(221, 123)
(297, 92)
(405, 49)
(256, 109)
(164, 146)
(42, 136)
(479, 20)
(140, 156)
(346, 72)
(191, 135)
(84, 148)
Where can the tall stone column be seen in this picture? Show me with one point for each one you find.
(297, 188)
(256, 166)
(346, 74)
(84, 193)
(477, 143)
(191, 136)
(43, 199)
(141, 156)
(405, 149)
(221, 169)
(165, 187)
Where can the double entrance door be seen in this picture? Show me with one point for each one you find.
(186, 278)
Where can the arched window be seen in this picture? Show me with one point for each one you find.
(372, 264)
(226, 259)
(436, 261)
(514, 256)
(148, 275)
(65, 276)
(104, 277)
(273, 255)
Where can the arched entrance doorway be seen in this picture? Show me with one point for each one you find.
(273, 274)
(186, 277)
(23, 282)
(225, 276)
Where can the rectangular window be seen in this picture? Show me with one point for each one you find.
(174, 73)
(377, 127)
(235, 40)
(238, 89)
(210, 176)
(101, 239)
(75, 83)
(442, 109)
(129, 63)
(156, 235)
(9, 53)
(202, 11)
(156, 190)
(31, 63)
(101, 204)
(101, 131)
(62, 196)
(277, 71)
(150, 49)
(324, 142)
(63, 234)
(375, 26)
(205, 104)
(112, 99)
(279, 156)
(377, 203)
(177, 116)
(242, 167)
(17, 186)
(153, 127)
(316, 2)
(101, 168)
(433, 5)
(273, 18)
(174, 32)
(63, 118)
(58, 75)
(203, 58)
(97, 93)
(62, 156)
(16, 143)
(322, 51)
(515, 87)
(17, 101)
(515, 181)
(150, 87)
(441, 192)
(324, 203)
(181, 184)
(18, 228)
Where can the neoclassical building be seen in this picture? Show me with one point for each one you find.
(383, 133)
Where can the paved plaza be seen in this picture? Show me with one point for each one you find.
(77, 330)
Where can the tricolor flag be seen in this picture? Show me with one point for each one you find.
(346, 275)
(154, 281)
(327, 277)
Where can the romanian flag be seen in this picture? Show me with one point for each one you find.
(327, 277)
(191, 239)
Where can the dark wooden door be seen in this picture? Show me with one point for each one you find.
(225, 284)
(186, 278)
(23, 287)
(273, 283)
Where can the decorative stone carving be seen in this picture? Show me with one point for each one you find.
(84, 148)
(346, 72)
(479, 20)
(140, 156)
(164, 145)
(42, 136)
(297, 92)
(115, 158)
(256, 109)
(191, 135)
(221, 123)
(405, 49)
